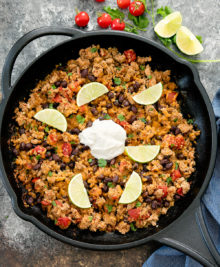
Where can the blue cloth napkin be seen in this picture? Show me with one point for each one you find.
(166, 256)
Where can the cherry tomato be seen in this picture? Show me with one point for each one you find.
(67, 149)
(130, 55)
(136, 8)
(180, 191)
(171, 97)
(164, 188)
(105, 20)
(117, 25)
(176, 174)
(82, 19)
(134, 213)
(63, 222)
(123, 3)
(100, 0)
(179, 142)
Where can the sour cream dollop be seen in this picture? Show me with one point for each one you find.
(106, 139)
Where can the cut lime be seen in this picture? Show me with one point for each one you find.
(168, 26)
(150, 95)
(142, 154)
(89, 92)
(53, 118)
(187, 42)
(133, 189)
(77, 192)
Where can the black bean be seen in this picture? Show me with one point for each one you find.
(57, 84)
(48, 154)
(115, 179)
(177, 197)
(130, 89)
(90, 199)
(95, 168)
(132, 119)
(94, 111)
(101, 176)
(45, 105)
(149, 179)
(63, 84)
(177, 131)
(122, 183)
(21, 131)
(125, 103)
(136, 86)
(22, 146)
(134, 109)
(75, 131)
(84, 73)
(107, 179)
(148, 200)
(159, 204)
(93, 162)
(180, 156)
(154, 204)
(89, 124)
(92, 78)
(166, 203)
(109, 105)
(40, 161)
(86, 184)
(75, 151)
(84, 148)
(71, 164)
(145, 194)
(116, 103)
(105, 188)
(15, 151)
(29, 200)
(120, 98)
(112, 162)
(110, 95)
(49, 147)
(36, 167)
(62, 166)
(50, 158)
(55, 157)
(44, 143)
(55, 105)
(135, 166)
(164, 161)
(145, 168)
(169, 165)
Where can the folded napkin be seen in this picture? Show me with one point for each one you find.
(166, 256)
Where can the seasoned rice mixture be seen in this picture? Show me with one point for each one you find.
(47, 159)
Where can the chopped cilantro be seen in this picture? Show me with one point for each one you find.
(49, 92)
(72, 143)
(6, 217)
(45, 137)
(90, 218)
(55, 221)
(142, 67)
(80, 119)
(38, 157)
(70, 74)
(35, 128)
(31, 157)
(47, 129)
(149, 76)
(176, 165)
(113, 166)
(102, 162)
(110, 184)
(50, 173)
(89, 160)
(118, 68)
(130, 135)
(45, 186)
(199, 38)
(124, 86)
(117, 81)
(51, 105)
(190, 121)
(109, 208)
(93, 49)
(54, 203)
(107, 117)
(121, 117)
(133, 228)
(124, 177)
(138, 204)
(143, 120)
(55, 148)
(71, 116)
(169, 180)
(172, 145)
(54, 86)
(151, 109)
(175, 120)
(164, 11)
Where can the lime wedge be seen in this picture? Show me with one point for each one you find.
(150, 95)
(187, 42)
(133, 189)
(168, 26)
(89, 92)
(77, 192)
(53, 118)
(142, 154)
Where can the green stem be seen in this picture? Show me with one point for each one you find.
(132, 26)
(152, 6)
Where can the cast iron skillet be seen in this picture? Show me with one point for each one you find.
(183, 227)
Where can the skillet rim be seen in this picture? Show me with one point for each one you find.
(196, 200)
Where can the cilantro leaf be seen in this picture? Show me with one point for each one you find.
(176, 165)
(110, 184)
(54, 86)
(143, 120)
(109, 208)
(102, 162)
(114, 12)
(89, 160)
(164, 11)
(93, 49)
(190, 121)
(140, 21)
(50, 173)
(169, 180)
(199, 37)
(142, 67)
(107, 117)
(54, 203)
(121, 117)
(130, 29)
(51, 105)
(90, 218)
(130, 135)
(47, 129)
(138, 204)
(38, 157)
(117, 81)
(70, 74)
(80, 119)
(133, 228)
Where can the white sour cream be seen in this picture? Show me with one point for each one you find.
(106, 139)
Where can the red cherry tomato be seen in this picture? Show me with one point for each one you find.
(82, 19)
(67, 149)
(176, 174)
(117, 25)
(123, 3)
(100, 0)
(164, 188)
(180, 191)
(63, 222)
(136, 8)
(130, 55)
(134, 213)
(105, 20)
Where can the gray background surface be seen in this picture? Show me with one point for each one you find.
(21, 243)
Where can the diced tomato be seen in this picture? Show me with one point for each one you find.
(124, 124)
(45, 203)
(130, 55)
(67, 149)
(53, 138)
(63, 222)
(57, 98)
(39, 150)
(176, 174)
(171, 97)
(35, 179)
(28, 166)
(115, 197)
(145, 216)
(164, 188)
(82, 108)
(179, 142)
(123, 165)
(58, 203)
(180, 191)
(134, 213)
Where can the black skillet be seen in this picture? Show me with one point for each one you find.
(183, 227)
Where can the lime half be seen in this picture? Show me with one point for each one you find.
(187, 42)
(53, 118)
(133, 189)
(168, 26)
(77, 192)
(89, 92)
(142, 154)
(150, 95)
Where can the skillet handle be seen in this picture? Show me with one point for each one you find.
(191, 236)
(25, 40)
